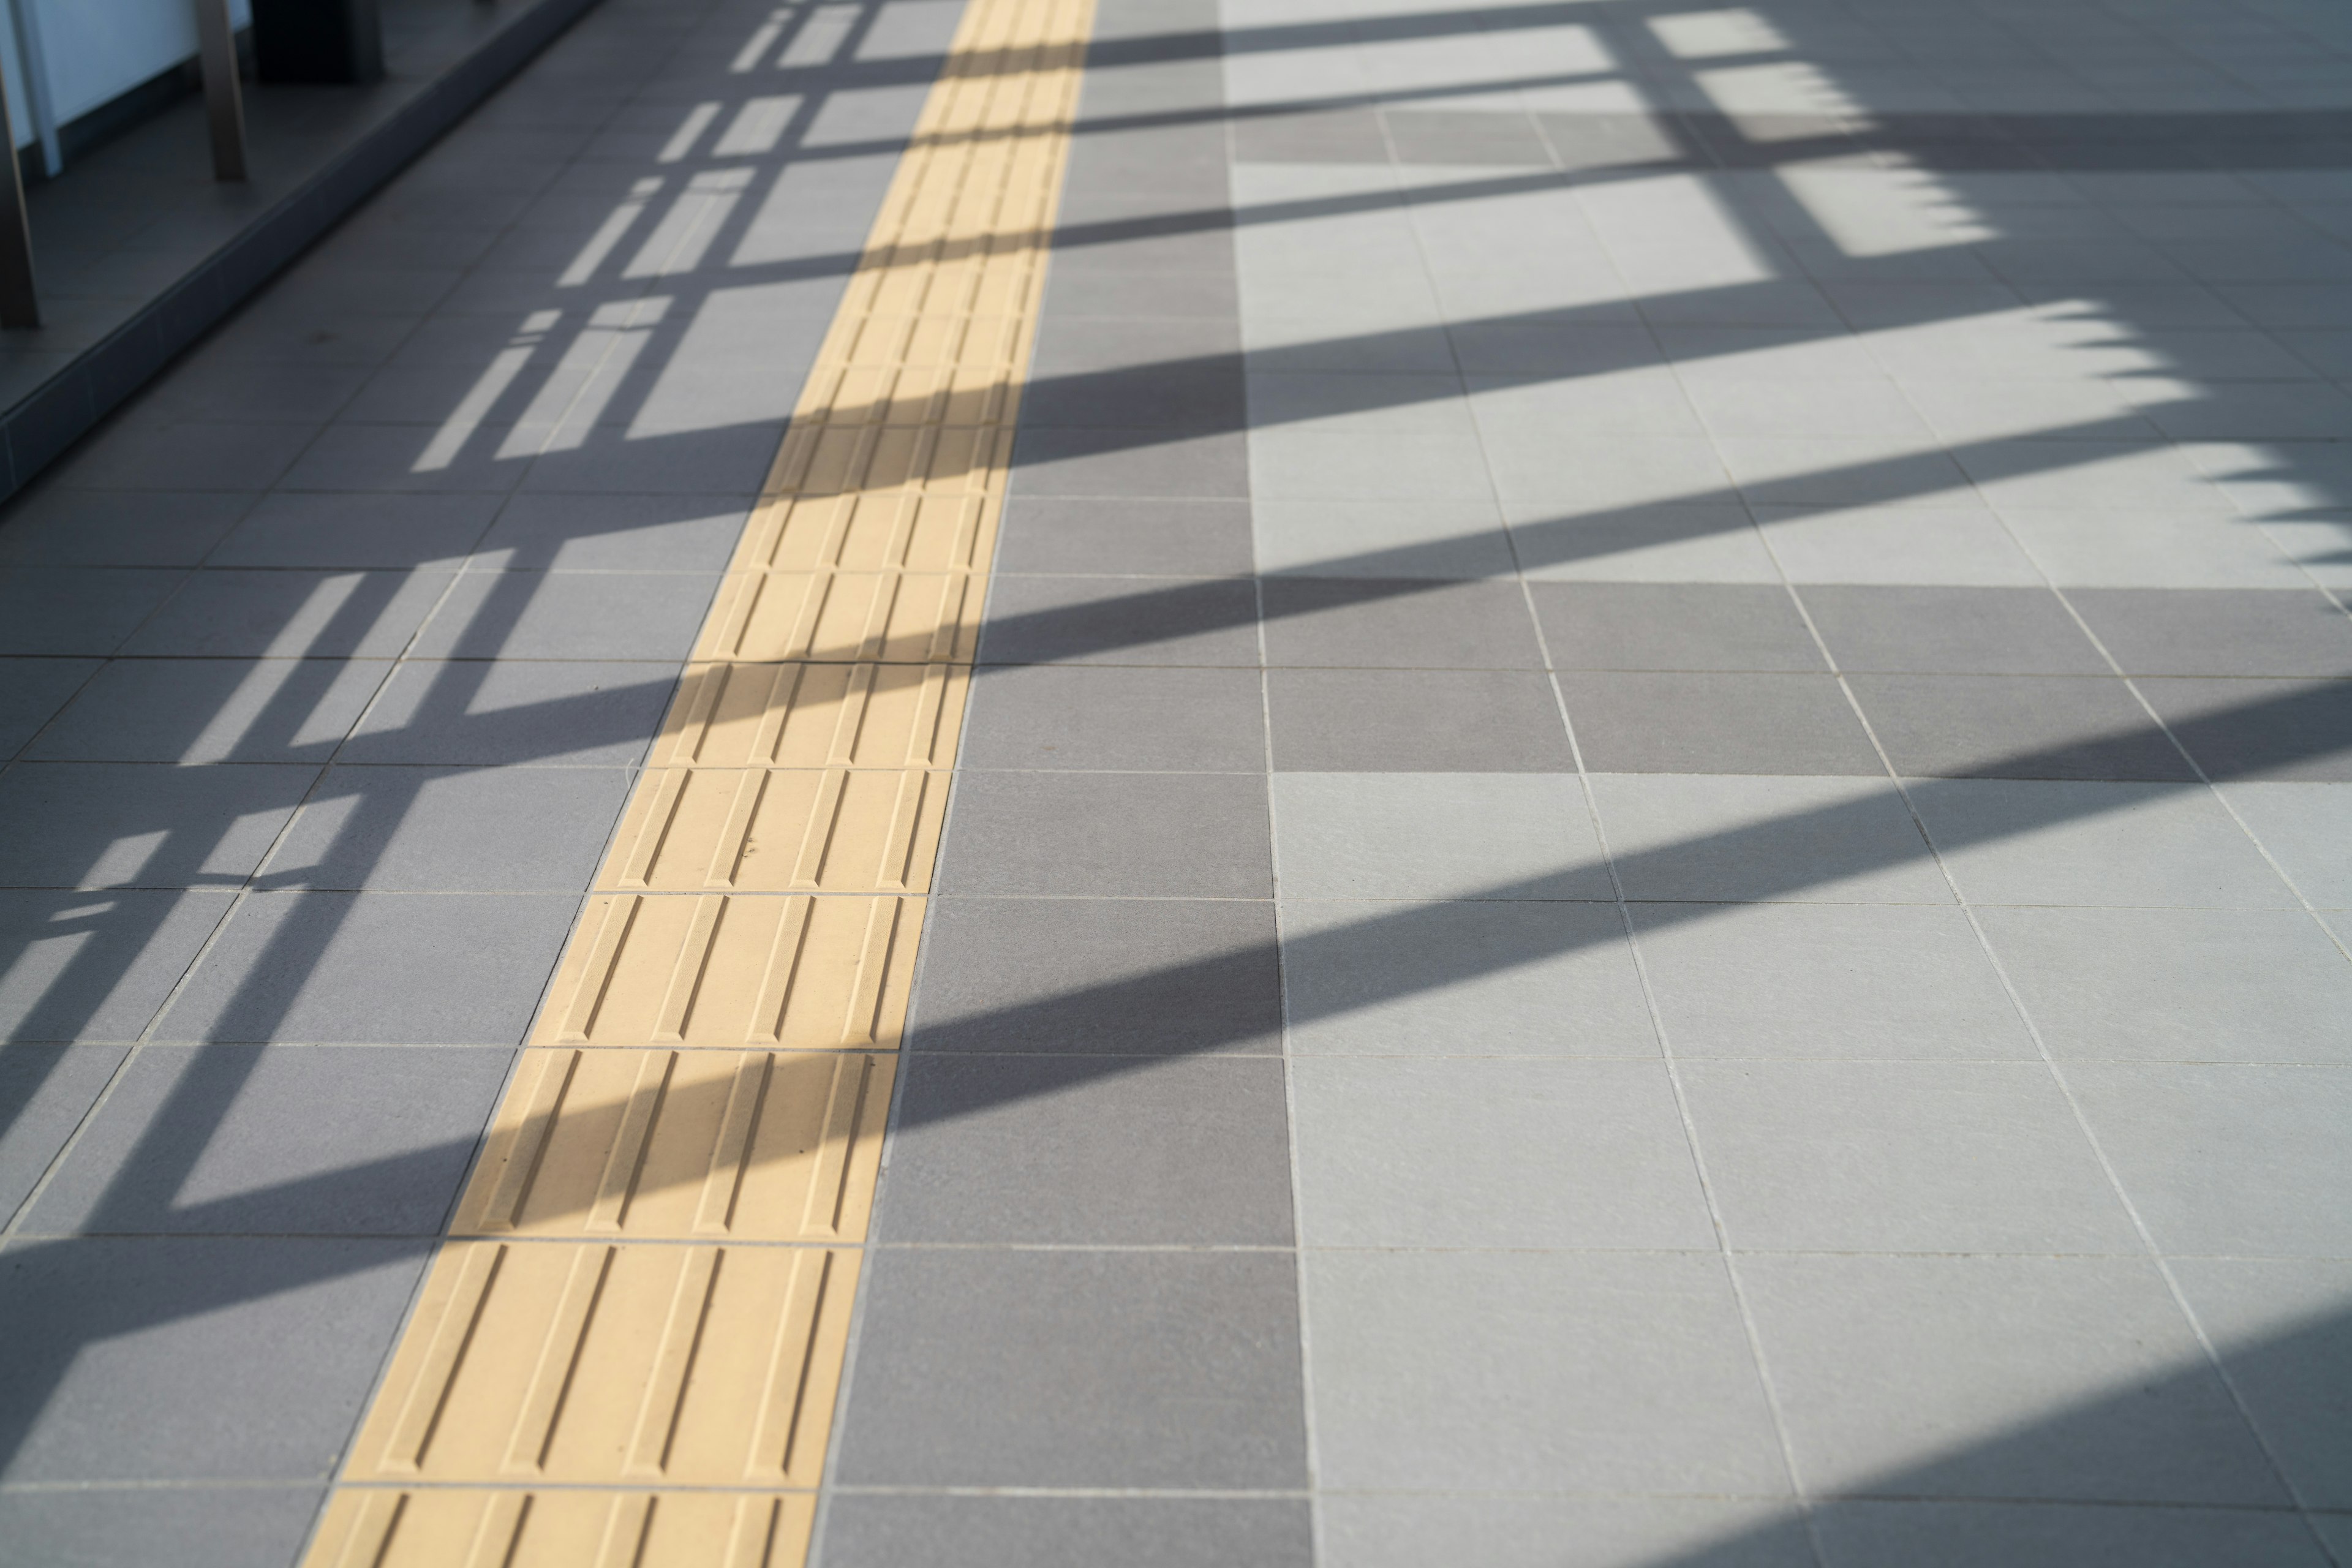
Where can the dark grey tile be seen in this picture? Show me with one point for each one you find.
(519, 712)
(212, 710)
(32, 690)
(913, 1531)
(216, 1527)
(1098, 975)
(1171, 836)
(1121, 620)
(1112, 1370)
(276, 1140)
(2219, 631)
(1415, 720)
(1204, 296)
(1398, 622)
(135, 825)
(452, 830)
(384, 459)
(189, 457)
(233, 613)
(2259, 729)
(1090, 1151)
(45, 1091)
(1465, 137)
(1145, 537)
(1129, 464)
(374, 969)
(690, 462)
(343, 531)
(619, 533)
(568, 615)
(1324, 136)
(75, 609)
(1672, 723)
(1183, 372)
(182, 1358)
(2015, 727)
(255, 391)
(96, 965)
(2024, 1535)
(1673, 625)
(1953, 631)
(62, 527)
(1178, 720)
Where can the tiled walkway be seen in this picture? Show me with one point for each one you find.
(1651, 862)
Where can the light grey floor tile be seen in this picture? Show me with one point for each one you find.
(900, 1530)
(2140, 550)
(1436, 720)
(1658, 542)
(213, 1527)
(452, 830)
(2308, 829)
(2065, 1379)
(54, 610)
(1205, 721)
(1434, 836)
(45, 1091)
(1978, 1534)
(345, 532)
(2177, 985)
(1374, 538)
(568, 615)
(978, 1367)
(1373, 1531)
(369, 968)
(514, 712)
(1510, 1370)
(228, 613)
(32, 690)
(1483, 1152)
(1901, 1157)
(2017, 841)
(1436, 465)
(1469, 978)
(213, 711)
(97, 965)
(2283, 1332)
(617, 533)
(1897, 544)
(1172, 835)
(1716, 837)
(1090, 1151)
(2239, 1160)
(134, 824)
(276, 1140)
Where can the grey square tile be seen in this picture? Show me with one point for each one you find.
(1470, 978)
(451, 830)
(1913, 1157)
(1471, 137)
(1508, 1371)
(2227, 1160)
(1381, 539)
(212, 710)
(276, 1140)
(329, 531)
(1955, 631)
(375, 968)
(1671, 722)
(1129, 464)
(1120, 620)
(1673, 625)
(2281, 1330)
(2217, 631)
(568, 615)
(1090, 1151)
(1205, 721)
(1718, 838)
(617, 533)
(2056, 1378)
(514, 712)
(1701, 542)
(32, 690)
(2043, 1535)
(2017, 841)
(53, 610)
(1826, 980)
(1398, 622)
(730, 460)
(1097, 976)
(1957, 547)
(1325, 136)
(1373, 1531)
(1129, 372)
(2016, 727)
(45, 1091)
(1077, 1369)
(1476, 1152)
(184, 1358)
(1435, 836)
(188, 456)
(129, 825)
(2259, 729)
(2308, 829)
(219, 1527)
(2216, 986)
(382, 459)
(1146, 537)
(62, 527)
(1446, 720)
(97, 965)
(232, 614)
(1171, 836)
(903, 1530)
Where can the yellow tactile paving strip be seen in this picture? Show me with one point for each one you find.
(627, 1354)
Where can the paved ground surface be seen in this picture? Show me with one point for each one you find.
(1649, 856)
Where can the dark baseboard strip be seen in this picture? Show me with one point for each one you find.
(38, 429)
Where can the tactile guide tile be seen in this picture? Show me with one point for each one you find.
(627, 1354)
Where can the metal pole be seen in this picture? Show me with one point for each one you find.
(35, 64)
(20, 306)
(223, 104)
